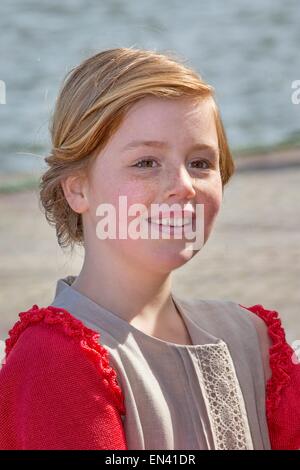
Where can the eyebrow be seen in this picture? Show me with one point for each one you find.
(161, 144)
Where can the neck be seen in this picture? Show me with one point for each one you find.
(129, 291)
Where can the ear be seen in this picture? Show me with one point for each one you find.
(74, 188)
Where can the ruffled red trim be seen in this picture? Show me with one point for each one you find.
(71, 326)
(280, 356)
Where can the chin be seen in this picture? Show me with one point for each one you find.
(167, 259)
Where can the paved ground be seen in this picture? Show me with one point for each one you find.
(253, 255)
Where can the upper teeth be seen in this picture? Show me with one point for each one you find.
(176, 222)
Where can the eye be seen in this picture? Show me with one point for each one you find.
(205, 162)
(139, 164)
(147, 163)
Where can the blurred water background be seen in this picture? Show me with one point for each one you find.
(249, 51)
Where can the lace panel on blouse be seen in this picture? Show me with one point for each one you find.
(223, 398)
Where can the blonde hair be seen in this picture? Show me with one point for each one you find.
(90, 107)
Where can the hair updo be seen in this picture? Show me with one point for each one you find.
(90, 107)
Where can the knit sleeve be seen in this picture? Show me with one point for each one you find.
(57, 390)
(283, 387)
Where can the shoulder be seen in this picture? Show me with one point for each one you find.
(277, 352)
(273, 341)
(52, 338)
(263, 323)
(57, 388)
(282, 395)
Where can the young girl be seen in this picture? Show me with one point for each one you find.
(117, 361)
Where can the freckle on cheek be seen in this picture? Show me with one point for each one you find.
(137, 193)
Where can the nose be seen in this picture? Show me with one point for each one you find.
(179, 184)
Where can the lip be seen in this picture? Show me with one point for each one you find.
(173, 214)
(171, 230)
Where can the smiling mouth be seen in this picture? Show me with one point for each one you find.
(173, 225)
(171, 222)
(178, 220)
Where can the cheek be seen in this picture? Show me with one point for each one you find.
(136, 192)
(212, 200)
(109, 191)
(213, 205)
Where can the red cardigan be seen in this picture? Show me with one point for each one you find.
(58, 391)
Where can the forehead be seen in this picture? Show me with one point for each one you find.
(156, 108)
(154, 118)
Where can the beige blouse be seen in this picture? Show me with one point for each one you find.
(208, 395)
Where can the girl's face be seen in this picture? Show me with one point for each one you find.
(180, 165)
